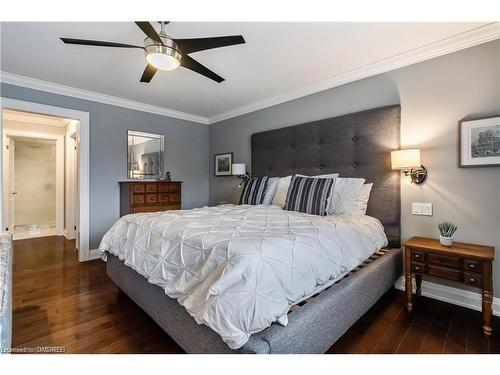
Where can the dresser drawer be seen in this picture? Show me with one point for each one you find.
(418, 267)
(472, 279)
(138, 188)
(472, 265)
(151, 188)
(174, 188)
(163, 187)
(163, 197)
(174, 197)
(417, 256)
(445, 273)
(139, 199)
(151, 198)
(443, 260)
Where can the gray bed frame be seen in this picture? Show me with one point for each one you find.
(354, 145)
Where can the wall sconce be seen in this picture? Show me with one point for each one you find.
(409, 162)
(240, 170)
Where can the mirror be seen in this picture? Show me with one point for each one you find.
(145, 155)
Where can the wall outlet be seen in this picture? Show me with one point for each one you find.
(424, 209)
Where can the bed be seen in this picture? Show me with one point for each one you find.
(354, 145)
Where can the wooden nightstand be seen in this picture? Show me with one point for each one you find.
(464, 263)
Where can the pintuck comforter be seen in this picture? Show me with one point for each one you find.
(238, 269)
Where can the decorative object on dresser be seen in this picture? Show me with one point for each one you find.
(480, 142)
(464, 263)
(149, 196)
(222, 164)
(446, 232)
(409, 162)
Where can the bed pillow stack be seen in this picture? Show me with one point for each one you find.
(298, 193)
(254, 190)
(308, 194)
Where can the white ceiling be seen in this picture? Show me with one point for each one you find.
(278, 58)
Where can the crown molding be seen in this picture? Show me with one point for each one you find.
(36, 84)
(442, 47)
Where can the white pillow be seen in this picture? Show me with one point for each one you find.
(272, 185)
(329, 200)
(279, 197)
(345, 195)
(364, 196)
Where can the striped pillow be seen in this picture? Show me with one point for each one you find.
(254, 191)
(308, 195)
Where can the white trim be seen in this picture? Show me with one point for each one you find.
(460, 297)
(70, 181)
(94, 254)
(59, 172)
(454, 43)
(451, 44)
(83, 170)
(55, 88)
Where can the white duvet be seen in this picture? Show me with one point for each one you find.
(238, 269)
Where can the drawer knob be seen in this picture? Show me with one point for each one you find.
(472, 266)
(472, 280)
(417, 256)
(417, 268)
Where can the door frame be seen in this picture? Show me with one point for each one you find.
(59, 173)
(83, 161)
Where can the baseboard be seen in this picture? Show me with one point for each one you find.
(94, 254)
(460, 297)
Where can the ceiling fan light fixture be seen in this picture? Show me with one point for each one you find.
(163, 61)
(163, 57)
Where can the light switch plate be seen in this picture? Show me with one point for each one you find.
(424, 209)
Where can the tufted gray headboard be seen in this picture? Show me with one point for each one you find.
(353, 145)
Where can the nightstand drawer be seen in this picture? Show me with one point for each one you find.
(472, 279)
(418, 267)
(445, 273)
(472, 265)
(444, 260)
(417, 256)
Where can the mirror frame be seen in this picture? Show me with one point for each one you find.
(161, 139)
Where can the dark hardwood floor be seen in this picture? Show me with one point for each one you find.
(61, 302)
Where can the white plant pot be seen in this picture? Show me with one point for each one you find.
(446, 241)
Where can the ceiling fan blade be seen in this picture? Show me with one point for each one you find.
(189, 63)
(98, 43)
(149, 72)
(149, 30)
(200, 44)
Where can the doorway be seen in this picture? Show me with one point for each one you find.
(32, 144)
(35, 169)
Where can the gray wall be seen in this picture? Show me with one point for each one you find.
(186, 150)
(434, 96)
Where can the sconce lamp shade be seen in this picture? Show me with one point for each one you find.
(239, 169)
(405, 159)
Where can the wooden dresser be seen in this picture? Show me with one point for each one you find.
(149, 196)
(463, 263)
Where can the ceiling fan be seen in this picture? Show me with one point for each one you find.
(166, 53)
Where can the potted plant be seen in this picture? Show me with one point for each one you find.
(446, 231)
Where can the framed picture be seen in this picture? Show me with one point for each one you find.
(222, 164)
(480, 142)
